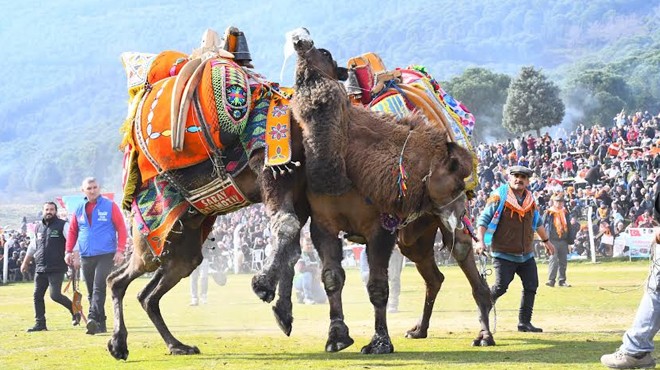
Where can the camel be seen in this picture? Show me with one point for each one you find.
(436, 199)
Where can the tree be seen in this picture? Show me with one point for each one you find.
(484, 93)
(599, 94)
(532, 103)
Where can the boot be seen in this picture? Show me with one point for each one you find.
(39, 326)
(92, 327)
(102, 328)
(525, 314)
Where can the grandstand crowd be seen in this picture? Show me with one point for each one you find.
(614, 169)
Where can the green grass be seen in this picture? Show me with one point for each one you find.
(237, 331)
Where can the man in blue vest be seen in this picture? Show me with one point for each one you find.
(506, 226)
(98, 227)
(48, 256)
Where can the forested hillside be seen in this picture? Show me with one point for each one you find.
(63, 92)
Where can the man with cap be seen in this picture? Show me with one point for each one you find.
(636, 350)
(558, 228)
(506, 227)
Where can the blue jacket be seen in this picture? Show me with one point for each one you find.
(101, 236)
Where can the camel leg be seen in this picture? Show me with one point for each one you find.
(185, 255)
(422, 254)
(481, 294)
(462, 252)
(285, 228)
(380, 247)
(333, 276)
(118, 282)
(283, 307)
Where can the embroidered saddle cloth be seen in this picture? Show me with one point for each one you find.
(414, 89)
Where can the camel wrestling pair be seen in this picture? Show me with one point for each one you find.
(245, 140)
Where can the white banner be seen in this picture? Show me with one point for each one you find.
(638, 241)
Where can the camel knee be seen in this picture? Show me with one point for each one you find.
(379, 291)
(286, 227)
(333, 280)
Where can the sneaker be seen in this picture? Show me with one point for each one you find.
(308, 301)
(75, 319)
(392, 310)
(203, 300)
(622, 360)
(38, 327)
(92, 327)
(194, 302)
(565, 285)
(551, 284)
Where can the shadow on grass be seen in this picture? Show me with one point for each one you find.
(524, 351)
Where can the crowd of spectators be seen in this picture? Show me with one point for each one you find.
(614, 170)
(17, 243)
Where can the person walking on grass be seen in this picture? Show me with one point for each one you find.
(98, 227)
(48, 256)
(506, 226)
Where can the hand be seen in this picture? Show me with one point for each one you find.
(549, 248)
(72, 259)
(24, 268)
(118, 259)
(480, 248)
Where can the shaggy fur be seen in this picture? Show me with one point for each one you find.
(320, 105)
(377, 141)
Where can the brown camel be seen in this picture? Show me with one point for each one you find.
(435, 198)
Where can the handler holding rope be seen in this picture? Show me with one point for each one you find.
(507, 226)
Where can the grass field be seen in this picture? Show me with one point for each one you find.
(237, 331)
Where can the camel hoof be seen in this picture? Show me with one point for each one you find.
(379, 345)
(483, 341)
(183, 349)
(284, 320)
(338, 337)
(118, 350)
(265, 292)
(416, 333)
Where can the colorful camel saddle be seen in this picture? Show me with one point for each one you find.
(185, 112)
(402, 91)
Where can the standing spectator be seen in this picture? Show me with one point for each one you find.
(557, 226)
(636, 351)
(48, 255)
(507, 226)
(97, 226)
(201, 274)
(394, 276)
(307, 281)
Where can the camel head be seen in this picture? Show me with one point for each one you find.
(319, 59)
(446, 185)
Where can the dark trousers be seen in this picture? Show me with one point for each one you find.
(506, 270)
(43, 280)
(504, 273)
(95, 270)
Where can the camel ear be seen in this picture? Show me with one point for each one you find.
(342, 73)
(460, 160)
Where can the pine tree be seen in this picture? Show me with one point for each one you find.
(533, 102)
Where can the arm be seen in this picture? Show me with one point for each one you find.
(118, 222)
(26, 263)
(483, 222)
(72, 258)
(120, 226)
(549, 248)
